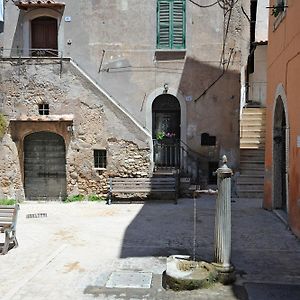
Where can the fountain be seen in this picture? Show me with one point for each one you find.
(184, 272)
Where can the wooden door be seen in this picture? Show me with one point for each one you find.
(44, 36)
(44, 166)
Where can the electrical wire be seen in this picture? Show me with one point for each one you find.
(203, 6)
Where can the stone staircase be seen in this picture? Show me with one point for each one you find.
(250, 183)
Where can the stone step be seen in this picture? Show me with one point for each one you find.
(250, 152)
(252, 133)
(253, 171)
(246, 179)
(251, 194)
(254, 110)
(250, 146)
(254, 122)
(246, 158)
(249, 187)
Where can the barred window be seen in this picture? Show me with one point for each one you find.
(44, 109)
(100, 159)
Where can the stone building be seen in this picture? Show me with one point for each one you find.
(92, 89)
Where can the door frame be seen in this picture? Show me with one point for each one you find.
(42, 12)
(280, 95)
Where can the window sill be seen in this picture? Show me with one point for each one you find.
(100, 169)
(170, 54)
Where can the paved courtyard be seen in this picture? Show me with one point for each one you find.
(87, 250)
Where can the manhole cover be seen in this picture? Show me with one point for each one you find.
(129, 279)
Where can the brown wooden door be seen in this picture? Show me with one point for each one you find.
(44, 36)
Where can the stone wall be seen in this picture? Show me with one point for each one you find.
(95, 124)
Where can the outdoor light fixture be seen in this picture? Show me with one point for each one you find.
(166, 87)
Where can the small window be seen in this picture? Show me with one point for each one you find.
(44, 109)
(171, 24)
(208, 140)
(100, 159)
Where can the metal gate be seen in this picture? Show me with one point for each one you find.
(44, 166)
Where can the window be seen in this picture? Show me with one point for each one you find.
(208, 140)
(44, 109)
(171, 24)
(100, 159)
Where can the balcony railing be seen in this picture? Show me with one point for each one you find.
(31, 52)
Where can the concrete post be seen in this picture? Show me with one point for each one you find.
(223, 219)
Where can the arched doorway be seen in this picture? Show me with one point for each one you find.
(280, 138)
(166, 131)
(44, 166)
(44, 34)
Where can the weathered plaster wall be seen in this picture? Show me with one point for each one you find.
(132, 68)
(98, 124)
(283, 71)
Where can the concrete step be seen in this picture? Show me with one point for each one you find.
(244, 157)
(250, 187)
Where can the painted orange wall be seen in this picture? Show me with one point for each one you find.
(284, 68)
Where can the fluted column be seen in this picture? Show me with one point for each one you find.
(223, 218)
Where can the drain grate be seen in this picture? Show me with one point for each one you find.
(129, 279)
(38, 215)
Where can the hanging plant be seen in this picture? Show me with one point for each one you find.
(277, 9)
(3, 125)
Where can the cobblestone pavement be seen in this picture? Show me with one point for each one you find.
(73, 250)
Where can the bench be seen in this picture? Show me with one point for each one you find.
(152, 185)
(8, 221)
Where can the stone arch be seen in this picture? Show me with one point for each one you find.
(280, 151)
(183, 110)
(37, 13)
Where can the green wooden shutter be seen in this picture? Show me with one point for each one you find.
(178, 24)
(164, 24)
(171, 24)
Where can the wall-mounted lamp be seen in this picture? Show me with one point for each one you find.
(166, 87)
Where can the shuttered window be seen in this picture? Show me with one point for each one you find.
(171, 24)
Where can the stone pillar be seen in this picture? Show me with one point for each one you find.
(223, 219)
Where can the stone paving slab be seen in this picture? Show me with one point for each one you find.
(71, 253)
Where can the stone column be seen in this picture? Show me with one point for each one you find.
(223, 219)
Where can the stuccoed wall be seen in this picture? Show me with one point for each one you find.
(98, 124)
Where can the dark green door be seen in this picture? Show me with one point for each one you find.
(44, 166)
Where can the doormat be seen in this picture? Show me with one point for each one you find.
(38, 215)
(129, 279)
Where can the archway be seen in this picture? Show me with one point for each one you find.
(166, 130)
(280, 149)
(44, 166)
(44, 33)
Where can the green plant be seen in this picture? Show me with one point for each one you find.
(277, 9)
(7, 201)
(3, 125)
(160, 135)
(95, 198)
(75, 198)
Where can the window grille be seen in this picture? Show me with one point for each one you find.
(44, 109)
(100, 159)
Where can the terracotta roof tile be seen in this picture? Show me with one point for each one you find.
(38, 3)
